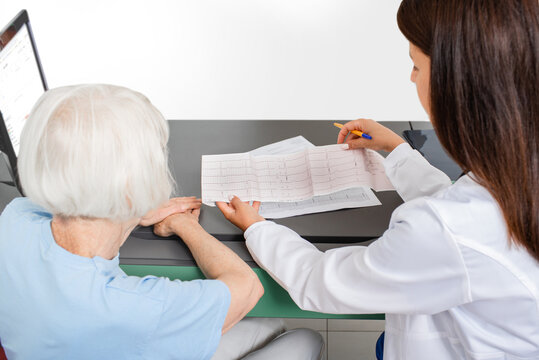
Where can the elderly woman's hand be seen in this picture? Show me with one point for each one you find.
(173, 206)
(174, 224)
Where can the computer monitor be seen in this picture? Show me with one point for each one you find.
(22, 82)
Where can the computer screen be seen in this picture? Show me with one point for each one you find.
(20, 78)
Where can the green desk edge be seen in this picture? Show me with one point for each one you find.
(275, 303)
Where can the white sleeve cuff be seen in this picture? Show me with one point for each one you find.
(255, 226)
(412, 175)
(401, 152)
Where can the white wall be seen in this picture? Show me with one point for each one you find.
(233, 59)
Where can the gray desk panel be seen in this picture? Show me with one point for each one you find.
(421, 125)
(173, 252)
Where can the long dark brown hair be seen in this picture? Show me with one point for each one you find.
(484, 96)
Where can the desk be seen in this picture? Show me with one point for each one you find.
(144, 253)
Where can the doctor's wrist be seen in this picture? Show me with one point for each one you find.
(247, 224)
(393, 143)
(255, 226)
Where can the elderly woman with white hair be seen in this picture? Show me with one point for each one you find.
(93, 163)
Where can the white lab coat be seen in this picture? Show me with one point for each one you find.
(444, 273)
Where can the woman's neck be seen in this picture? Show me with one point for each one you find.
(91, 237)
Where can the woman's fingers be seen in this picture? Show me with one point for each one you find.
(185, 203)
(225, 208)
(356, 142)
(240, 213)
(256, 205)
(196, 213)
(342, 135)
(172, 206)
(236, 202)
(347, 129)
(381, 137)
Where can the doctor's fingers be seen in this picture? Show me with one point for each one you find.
(256, 205)
(357, 142)
(359, 124)
(225, 208)
(236, 203)
(244, 206)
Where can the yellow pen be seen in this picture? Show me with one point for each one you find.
(357, 132)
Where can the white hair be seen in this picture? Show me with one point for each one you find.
(96, 151)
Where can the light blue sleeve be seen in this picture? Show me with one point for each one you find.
(191, 321)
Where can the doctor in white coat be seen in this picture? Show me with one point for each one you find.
(457, 271)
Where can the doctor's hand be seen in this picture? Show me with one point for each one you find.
(172, 206)
(239, 213)
(382, 137)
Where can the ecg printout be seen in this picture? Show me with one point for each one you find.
(349, 198)
(287, 146)
(293, 177)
